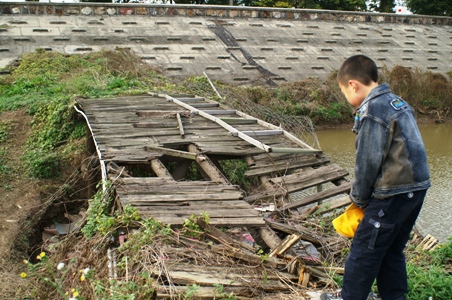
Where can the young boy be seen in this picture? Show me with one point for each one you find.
(391, 180)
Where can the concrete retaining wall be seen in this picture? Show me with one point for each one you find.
(239, 44)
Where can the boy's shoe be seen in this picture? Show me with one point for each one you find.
(373, 296)
(331, 296)
(337, 296)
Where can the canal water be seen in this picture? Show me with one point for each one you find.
(436, 215)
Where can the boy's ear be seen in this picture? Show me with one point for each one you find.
(353, 84)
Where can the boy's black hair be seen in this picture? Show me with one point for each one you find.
(358, 67)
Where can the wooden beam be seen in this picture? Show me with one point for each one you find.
(208, 166)
(159, 169)
(181, 127)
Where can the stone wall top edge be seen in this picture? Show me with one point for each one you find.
(368, 16)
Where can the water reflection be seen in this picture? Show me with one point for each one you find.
(435, 218)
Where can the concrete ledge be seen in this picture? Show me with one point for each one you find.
(236, 12)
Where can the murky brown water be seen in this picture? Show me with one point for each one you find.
(436, 215)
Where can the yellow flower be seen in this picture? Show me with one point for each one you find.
(82, 277)
(25, 261)
(75, 294)
(72, 290)
(23, 274)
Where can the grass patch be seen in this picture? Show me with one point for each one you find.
(430, 273)
(45, 84)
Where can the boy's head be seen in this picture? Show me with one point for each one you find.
(357, 76)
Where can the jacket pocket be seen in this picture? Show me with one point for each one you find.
(379, 229)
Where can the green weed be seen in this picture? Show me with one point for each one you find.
(428, 275)
(98, 219)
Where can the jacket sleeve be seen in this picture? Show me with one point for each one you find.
(370, 153)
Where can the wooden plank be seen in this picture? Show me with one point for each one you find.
(344, 188)
(308, 174)
(205, 105)
(284, 166)
(334, 204)
(310, 182)
(217, 112)
(176, 188)
(143, 199)
(230, 151)
(225, 278)
(263, 132)
(217, 204)
(237, 121)
(224, 222)
(161, 113)
(185, 213)
(155, 125)
(189, 99)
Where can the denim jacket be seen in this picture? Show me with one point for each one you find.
(390, 154)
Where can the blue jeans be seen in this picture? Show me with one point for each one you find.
(377, 248)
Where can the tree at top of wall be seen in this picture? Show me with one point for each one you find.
(430, 7)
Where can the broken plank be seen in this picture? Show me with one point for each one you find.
(285, 245)
(172, 152)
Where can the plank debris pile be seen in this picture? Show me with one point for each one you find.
(151, 143)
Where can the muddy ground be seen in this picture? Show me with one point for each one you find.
(24, 209)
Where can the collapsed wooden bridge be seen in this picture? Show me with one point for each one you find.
(149, 143)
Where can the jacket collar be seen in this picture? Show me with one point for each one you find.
(381, 89)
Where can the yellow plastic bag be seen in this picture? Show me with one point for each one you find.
(347, 223)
